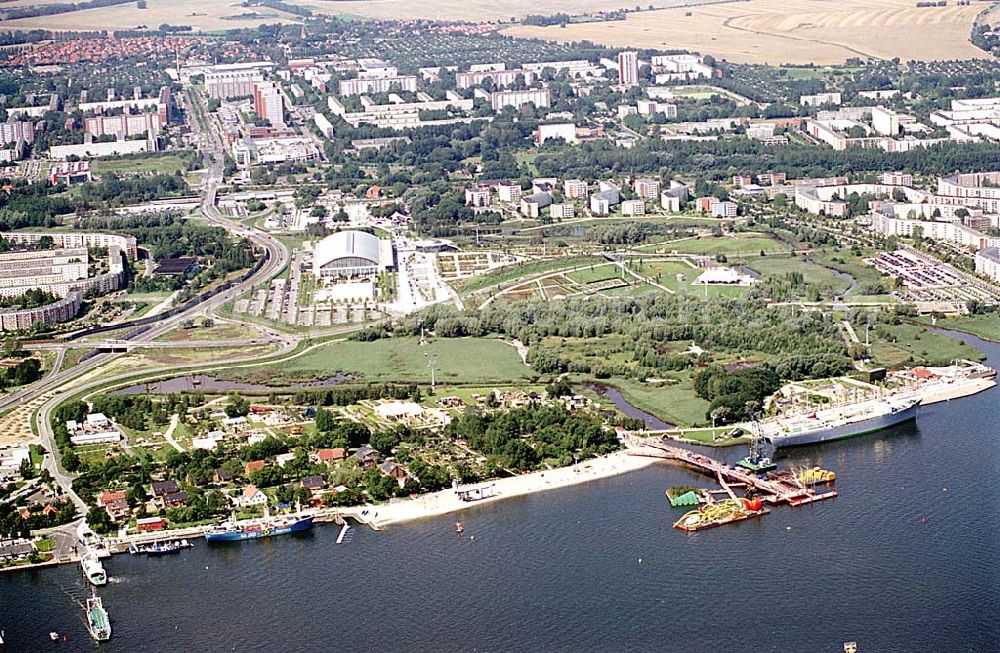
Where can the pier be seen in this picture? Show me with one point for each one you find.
(774, 489)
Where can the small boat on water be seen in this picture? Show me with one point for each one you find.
(159, 548)
(98, 622)
(92, 568)
(54, 636)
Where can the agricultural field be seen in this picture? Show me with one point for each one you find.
(202, 15)
(472, 11)
(774, 32)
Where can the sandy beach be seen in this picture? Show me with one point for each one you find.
(446, 501)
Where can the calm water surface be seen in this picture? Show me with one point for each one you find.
(561, 571)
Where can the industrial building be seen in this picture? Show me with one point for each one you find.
(348, 254)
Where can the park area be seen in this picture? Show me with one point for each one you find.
(455, 360)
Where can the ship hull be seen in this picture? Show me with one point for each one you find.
(852, 430)
(259, 533)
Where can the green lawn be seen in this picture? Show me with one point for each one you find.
(986, 327)
(596, 273)
(160, 163)
(742, 245)
(457, 360)
(906, 344)
(676, 403)
(813, 273)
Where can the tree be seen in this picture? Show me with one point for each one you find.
(10, 345)
(237, 406)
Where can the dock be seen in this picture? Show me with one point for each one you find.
(772, 489)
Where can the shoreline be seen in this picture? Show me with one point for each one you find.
(447, 501)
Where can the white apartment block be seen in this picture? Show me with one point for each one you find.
(539, 97)
(896, 179)
(952, 232)
(509, 192)
(575, 188)
(988, 263)
(885, 121)
(562, 211)
(361, 86)
(325, 126)
(670, 203)
(820, 99)
(477, 197)
(233, 81)
(96, 150)
(646, 188)
(577, 68)
(498, 77)
(725, 209)
(651, 107)
(680, 66)
(633, 208)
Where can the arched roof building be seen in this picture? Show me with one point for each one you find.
(347, 254)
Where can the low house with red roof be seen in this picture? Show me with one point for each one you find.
(329, 456)
(253, 466)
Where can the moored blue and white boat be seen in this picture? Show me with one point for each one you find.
(252, 529)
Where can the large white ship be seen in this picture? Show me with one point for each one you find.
(841, 422)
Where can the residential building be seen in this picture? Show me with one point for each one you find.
(509, 192)
(228, 81)
(652, 107)
(885, 121)
(269, 103)
(14, 130)
(896, 179)
(646, 188)
(499, 78)
(540, 97)
(628, 68)
(477, 197)
(670, 203)
(148, 524)
(575, 188)
(531, 205)
(364, 85)
(988, 263)
(563, 130)
(562, 211)
(251, 496)
(820, 99)
(633, 208)
(325, 126)
(725, 209)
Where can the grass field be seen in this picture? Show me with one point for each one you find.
(676, 404)
(510, 273)
(742, 245)
(902, 344)
(813, 274)
(457, 360)
(163, 163)
(774, 31)
(986, 327)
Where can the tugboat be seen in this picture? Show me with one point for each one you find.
(93, 569)
(98, 622)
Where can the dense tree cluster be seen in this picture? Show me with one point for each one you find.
(520, 439)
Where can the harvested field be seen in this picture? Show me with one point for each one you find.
(476, 10)
(774, 31)
(202, 15)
